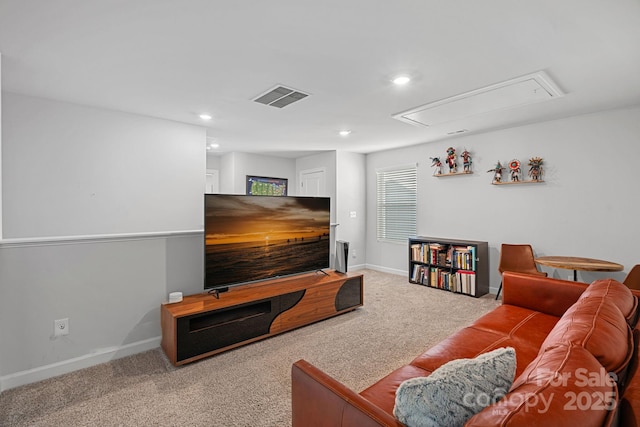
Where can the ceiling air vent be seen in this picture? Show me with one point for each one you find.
(512, 93)
(280, 96)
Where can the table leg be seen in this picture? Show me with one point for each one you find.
(575, 275)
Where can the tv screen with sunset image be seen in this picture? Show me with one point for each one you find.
(250, 238)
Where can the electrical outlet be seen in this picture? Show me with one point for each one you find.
(353, 253)
(60, 327)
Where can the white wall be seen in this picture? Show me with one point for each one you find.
(77, 170)
(234, 168)
(1, 363)
(1, 148)
(227, 173)
(326, 161)
(350, 197)
(105, 214)
(213, 161)
(588, 205)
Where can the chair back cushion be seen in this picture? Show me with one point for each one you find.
(517, 258)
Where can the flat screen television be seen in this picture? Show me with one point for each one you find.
(251, 238)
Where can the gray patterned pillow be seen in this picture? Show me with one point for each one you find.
(456, 391)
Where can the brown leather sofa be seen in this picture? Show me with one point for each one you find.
(568, 337)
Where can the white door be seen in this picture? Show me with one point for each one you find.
(313, 182)
(213, 181)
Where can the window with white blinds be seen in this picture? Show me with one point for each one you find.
(397, 196)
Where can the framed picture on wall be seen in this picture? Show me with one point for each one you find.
(265, 186)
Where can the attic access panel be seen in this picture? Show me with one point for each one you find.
(513, 93)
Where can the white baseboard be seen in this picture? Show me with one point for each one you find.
(492, 290)
(64, 367)
(356, 267)
(387, 270)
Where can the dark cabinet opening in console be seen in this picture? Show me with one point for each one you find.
(233, 314)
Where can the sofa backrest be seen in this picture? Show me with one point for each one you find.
(617, 293)
(564, 386)
(572, 381)
(597, 325)
(543, 294)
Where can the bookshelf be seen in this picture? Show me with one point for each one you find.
(460, 266)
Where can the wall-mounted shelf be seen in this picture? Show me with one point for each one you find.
(440, 175)
(517, 182)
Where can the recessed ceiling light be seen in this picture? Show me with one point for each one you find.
(205, 116)
(401, 80)
(345, 132)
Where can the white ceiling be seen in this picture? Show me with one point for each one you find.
(174, 59)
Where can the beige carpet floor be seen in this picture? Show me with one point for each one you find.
(251, 385)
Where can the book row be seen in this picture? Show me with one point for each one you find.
(462, 257)
(462, 281)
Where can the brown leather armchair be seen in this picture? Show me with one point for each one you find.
(519, 259)
(632, 281)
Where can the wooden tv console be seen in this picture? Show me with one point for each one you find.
(202, 325)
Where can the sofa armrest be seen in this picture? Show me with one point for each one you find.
(539, 293)
(319, 400)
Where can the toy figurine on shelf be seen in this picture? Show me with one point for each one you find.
(535, 169)
(514, 165)
(497, 172)
(466, 161)
(437, 164)
(451, 160)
